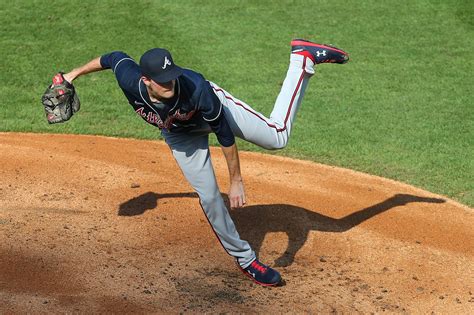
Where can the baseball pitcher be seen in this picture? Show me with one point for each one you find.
(186, 108)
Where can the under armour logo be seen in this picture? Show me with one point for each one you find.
(167, 63)
(253, 274)
(321, 53)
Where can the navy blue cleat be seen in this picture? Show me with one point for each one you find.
(262, 274)
(318, 53)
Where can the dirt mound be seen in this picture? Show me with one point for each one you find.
(95, 224)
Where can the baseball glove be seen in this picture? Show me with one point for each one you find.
(60, 100)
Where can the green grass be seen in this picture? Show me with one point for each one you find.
(402, 108)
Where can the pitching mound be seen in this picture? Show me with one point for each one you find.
(95, 224)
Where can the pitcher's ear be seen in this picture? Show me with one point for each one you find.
(146, 80)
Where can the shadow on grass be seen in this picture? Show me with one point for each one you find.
(254, 222)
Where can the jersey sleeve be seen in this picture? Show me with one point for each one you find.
(125, 68)
(212, 111)
(224, 134)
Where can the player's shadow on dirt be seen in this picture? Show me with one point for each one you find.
(147, 201)
(254, 222)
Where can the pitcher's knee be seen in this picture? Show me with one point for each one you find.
(278, 144)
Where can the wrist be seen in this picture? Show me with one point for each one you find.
(69, 77)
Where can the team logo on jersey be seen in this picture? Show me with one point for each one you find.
(167, 63)
(178, 116)
(183, 116)
(151, 118)
(155, 119)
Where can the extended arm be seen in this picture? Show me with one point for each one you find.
(92, 66)
(236, 191)
(60, 99)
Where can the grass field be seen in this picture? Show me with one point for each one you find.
(402, 108)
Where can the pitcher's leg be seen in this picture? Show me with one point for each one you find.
(273, 132)
(292, 91)
(193, 157)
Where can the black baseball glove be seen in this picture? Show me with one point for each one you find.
(60, 100)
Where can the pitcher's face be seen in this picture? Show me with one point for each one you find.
(160, 90)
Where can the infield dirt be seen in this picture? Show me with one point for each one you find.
(95, 224)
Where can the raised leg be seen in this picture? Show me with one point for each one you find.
(272, 132)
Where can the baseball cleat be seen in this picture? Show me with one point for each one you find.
(318, 53)
(262, 274)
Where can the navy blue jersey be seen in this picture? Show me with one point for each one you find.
(194, 99)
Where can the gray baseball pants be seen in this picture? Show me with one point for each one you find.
(191, 149)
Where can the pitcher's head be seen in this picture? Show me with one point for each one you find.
(159, 72)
